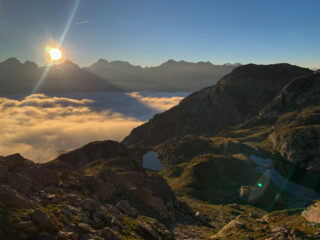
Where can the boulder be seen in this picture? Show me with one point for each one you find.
(110, 234)
(12, 198)
(227, 229)
(104, 190)
(26, 226)
(125, 207)
(203, 218)
(19, 182)
(44, 221)
(44, 175)
(250, 194)
(147, 228)
(312, 213)
(90, 205)
(84, 227)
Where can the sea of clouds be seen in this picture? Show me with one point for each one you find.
(40, 127)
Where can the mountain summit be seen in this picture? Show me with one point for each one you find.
(238, 96)
(17, 78)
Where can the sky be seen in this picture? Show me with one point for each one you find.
(149, 32)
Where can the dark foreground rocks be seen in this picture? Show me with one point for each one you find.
(99, 191)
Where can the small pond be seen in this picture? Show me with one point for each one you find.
(265, 167)
(151, 161)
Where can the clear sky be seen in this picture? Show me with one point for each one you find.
(149, 32)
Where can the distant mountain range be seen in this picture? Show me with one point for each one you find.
(169, 76)
(17, 77)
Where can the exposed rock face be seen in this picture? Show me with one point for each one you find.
(296, 133)
(110, 170)
(24, 175)
(233, 225)
(237, 97)
(295, 94)
(183, 149)
(92, 152)
(98, 190)
(44, 221)
(11, 198)
(312, 214)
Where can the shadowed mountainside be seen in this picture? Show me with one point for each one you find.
(237, 97)
(18, 78)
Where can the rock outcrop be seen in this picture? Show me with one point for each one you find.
(98, 191)
(297, 129)
(312, 213)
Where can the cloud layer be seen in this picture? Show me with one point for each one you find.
(159, 103)
(40, 127)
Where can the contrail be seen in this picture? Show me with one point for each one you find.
(82, 22)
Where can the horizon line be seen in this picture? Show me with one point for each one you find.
(158, 65)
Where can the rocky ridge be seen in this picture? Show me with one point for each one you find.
(99, 191)
(237, 97)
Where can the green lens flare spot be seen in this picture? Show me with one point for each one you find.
(259, 184)
(47, 48)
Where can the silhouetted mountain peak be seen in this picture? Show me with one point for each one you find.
(68, 62)
(251, 73)
(30, 64)
(170, 62)
(11, 61)
(122, 64)
(102, 61)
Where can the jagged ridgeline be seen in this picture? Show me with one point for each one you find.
(17, 77)
(237, 97)
(241, 162)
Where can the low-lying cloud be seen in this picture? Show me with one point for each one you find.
(161, 103)
(40, 127)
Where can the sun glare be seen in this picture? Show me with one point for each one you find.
(54, 54)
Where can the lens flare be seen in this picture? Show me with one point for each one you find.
(54, 54)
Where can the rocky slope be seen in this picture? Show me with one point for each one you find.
(288, 125)
(99, 191)
(237, 97)
(218, 169)
(296, 133)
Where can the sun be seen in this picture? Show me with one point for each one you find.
(55, 54)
